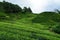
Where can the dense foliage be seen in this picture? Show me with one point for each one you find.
(27, 10)
(56, 29)
(12, 8)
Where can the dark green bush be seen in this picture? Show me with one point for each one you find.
(42, 38)
(56, 29)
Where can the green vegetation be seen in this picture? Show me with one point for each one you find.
(21, 24)
(57, 29)
(47, 18)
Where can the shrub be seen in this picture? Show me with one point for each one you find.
(56, 29)
(42, 38)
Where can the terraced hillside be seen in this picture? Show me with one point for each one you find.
(24, 29)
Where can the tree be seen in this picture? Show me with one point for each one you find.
(25, 9)
(3, 0)
(17, 8)
(1, 7)
(29, 9)
(11, 8)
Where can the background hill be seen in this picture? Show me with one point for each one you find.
(48, 18)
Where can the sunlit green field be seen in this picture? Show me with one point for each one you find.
(24, 29)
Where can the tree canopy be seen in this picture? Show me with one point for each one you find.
(12, 8)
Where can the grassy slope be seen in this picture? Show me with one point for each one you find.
(24, 29)
(47, 18)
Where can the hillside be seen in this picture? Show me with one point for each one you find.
(24, 29)
(48, 18)
(25, 25)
